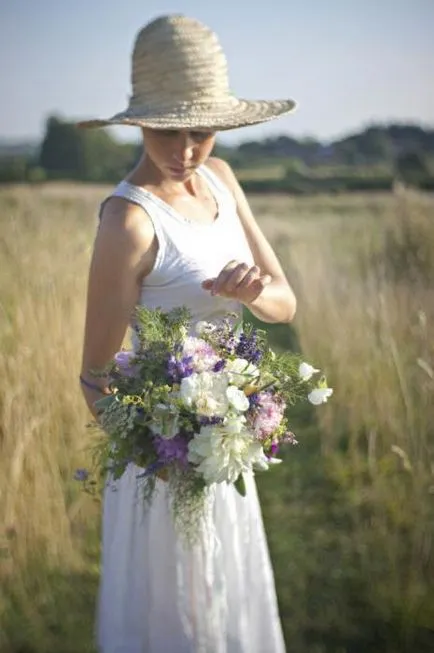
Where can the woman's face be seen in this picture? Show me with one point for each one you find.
(177, 154)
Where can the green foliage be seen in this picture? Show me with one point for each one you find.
(367, 161)
(13, 169)
(412, 168)
(68, 152)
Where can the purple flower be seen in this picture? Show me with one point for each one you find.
(178, 369)
(81, 475)
(209, 421)
(253, 399)
(247, 348)
(171, 450)
(123, 360)
(274, 448)
(219, 365)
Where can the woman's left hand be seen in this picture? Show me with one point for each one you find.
(238, 281)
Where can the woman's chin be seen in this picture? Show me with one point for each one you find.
(180, 173)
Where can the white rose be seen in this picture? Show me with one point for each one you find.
(237, 398)
(206, 392)
(240, 371)
(306, 371)
(319, 395)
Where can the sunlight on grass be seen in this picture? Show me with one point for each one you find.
(349, 515)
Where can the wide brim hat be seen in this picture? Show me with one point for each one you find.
(180, 80)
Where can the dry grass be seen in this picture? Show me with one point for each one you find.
(361, 266)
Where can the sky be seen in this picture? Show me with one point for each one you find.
(348, 63)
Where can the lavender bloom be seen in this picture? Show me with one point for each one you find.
(219, 365)
(172, 450)
(185, 366)
(209, 421)
(247, 348)
(81, 475)
(179, 369)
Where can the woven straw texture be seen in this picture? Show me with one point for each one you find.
(180, 80)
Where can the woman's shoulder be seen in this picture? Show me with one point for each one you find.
(125, 223)
(222, 169)
(120, 213)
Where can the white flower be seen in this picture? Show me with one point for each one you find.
(221, 452)
(306, 371)
(165, 421)
(240, 371)
(319, 395)
(237, 398)
(204, 327)
(206, 392)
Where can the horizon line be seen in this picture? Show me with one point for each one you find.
(364, 126)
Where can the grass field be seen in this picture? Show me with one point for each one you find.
(349, 515)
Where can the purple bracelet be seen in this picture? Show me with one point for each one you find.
(92, 386)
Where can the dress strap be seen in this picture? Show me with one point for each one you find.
(217, 185)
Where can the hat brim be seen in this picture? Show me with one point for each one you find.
(209, 116)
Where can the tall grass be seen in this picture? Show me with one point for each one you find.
(349, 515)
(366, 310)
(44, 252)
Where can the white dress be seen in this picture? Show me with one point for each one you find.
(156, 595)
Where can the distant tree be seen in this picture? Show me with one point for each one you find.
(68, 152)
(62, 151)
(412, 168)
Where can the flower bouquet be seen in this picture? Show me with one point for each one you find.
(197, 405)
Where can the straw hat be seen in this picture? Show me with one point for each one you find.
(180, 81)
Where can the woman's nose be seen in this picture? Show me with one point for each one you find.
(185, 147)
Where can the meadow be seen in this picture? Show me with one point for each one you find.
(349, 515)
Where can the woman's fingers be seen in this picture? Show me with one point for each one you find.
(251, 275)
(221, 280)
(232, 278)
(238, 280)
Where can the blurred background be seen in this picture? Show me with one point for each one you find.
(343, 189)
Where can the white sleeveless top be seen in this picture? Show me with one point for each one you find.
(190, 252)
(157, 595)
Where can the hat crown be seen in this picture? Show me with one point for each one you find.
(177, 60)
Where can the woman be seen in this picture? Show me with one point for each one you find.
(179, 230)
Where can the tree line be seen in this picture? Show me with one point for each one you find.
(373, 159)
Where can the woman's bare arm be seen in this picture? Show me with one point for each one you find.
(124, 252)
(276, 302)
